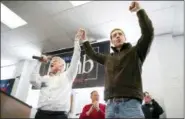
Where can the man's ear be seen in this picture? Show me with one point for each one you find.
(111, 41)
(125, 38)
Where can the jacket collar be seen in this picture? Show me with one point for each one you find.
(55, 74)
(124, 46)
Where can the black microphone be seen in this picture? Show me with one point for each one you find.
(77, 114)
(37, 57)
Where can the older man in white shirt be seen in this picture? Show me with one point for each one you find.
(55, 88)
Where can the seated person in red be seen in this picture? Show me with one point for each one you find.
(95, 110)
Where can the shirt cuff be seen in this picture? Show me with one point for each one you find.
(139, 10)
(83, 41)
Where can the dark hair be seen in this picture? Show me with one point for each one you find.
(145, 93)
(115, 29)
(93, 91)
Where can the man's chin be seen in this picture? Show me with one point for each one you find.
(119, 46)
(55, 71)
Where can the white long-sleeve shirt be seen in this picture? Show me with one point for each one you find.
(55, 91)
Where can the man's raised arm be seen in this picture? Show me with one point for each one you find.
(95, 56)
(147, 31)
(73, 68)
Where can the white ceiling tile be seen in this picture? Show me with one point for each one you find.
(4, 43)
(130, 24)
(159, 20)
(54, 7)
(163, 30)
(45, 46)
(5, 54)
(4, 28)
(178, 24)
(25, 52)
(69, 22)
(9, 61)
(23, 35)
(156, 5)
(4, 46)
(27, 10)
(178, 30)
(15, 40)
(47, 27)
(98, 12)
(62, 41)
(17, 4)
(178, 3)
(57, 41)
(8, 57)
(131, 30)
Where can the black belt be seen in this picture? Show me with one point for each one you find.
(52, 112)
(119, 99)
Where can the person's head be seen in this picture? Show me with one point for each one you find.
(57, 65)
(146, 94)
(117, 37)
(147, 98)
(94, 96)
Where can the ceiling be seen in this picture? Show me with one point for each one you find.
(52, 24)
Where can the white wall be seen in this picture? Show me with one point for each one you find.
(163, 74)
(12, 71)
(152, 75)
(24, 84)
(21, 85)
(171, 55)
(8, 72)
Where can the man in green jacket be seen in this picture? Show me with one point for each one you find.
(123, 82)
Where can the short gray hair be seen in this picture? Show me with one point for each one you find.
(57, 58)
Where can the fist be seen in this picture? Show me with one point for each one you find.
(45, 59)
(134, 6)
(81, 34)
(95, 104)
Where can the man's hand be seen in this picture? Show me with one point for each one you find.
(89, 111)
(134, 7)
(81, 34)
(45, 59)
(96, 105)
